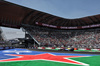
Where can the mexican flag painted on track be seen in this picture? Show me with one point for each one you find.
(24, 57)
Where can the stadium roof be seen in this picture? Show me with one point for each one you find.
(13, 15)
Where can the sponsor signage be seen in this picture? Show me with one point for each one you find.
(61, 27)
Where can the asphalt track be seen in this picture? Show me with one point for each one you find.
(58, 51)
(41, 57)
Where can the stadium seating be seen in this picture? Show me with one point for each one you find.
(89, 38)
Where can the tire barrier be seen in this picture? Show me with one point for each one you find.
(75, 48)
(88, 49)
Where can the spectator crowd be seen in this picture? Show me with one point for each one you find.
(61, 38)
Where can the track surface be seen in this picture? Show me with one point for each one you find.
(77, 52)
(30, 57)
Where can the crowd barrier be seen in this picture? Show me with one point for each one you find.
(5, 48)
(58, 48)
(51, 48)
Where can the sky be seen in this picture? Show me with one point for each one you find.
(69, 9)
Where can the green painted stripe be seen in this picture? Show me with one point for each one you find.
(92, 61)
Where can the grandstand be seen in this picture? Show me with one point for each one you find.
(43, 29)
(88, 38)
